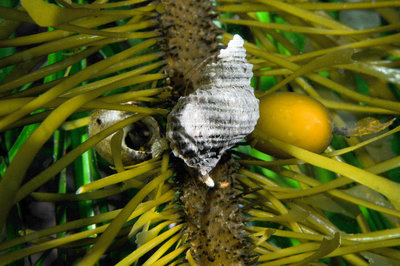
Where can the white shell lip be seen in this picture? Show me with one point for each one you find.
(218, 114)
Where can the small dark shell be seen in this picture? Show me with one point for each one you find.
(219, 114)
(141, 140)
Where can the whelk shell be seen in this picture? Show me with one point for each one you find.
(218, 114)
(141, 140)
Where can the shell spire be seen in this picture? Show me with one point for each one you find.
(218, 114)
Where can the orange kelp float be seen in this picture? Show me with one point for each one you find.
(296, 119)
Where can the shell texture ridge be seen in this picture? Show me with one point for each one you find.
(218, 114)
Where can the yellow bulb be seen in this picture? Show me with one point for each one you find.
(296, 119)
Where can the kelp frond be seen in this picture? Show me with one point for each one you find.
(60, 60)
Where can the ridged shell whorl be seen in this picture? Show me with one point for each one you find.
(218, 114)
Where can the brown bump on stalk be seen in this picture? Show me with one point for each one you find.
(216, 226)
(190, 37)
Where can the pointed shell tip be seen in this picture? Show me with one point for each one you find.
(237, 40)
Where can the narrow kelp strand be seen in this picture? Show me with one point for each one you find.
(29, 120)
(347, 6)
(152, 216)
(157, 194)
(69, 226)
(362, 144)
(93, 195)
(133, 61)
(173, 255)
(67, 159)
(335, 105)
(15, 173)
(92, 104)
(128, 96)
(106, 5)
(387, 74)
(277, 204)
(34, 91)
(51, 47)
(106, 238)
(125, 79)
(251, 7)
(388, 252)
(385, 166)
(336, 183)
(14, 104)
(119, 177)
(347, 239)
(339, 194)
(287, 234)
(142, 59)
(339, 251)
(77, 41)
(51, 15)
(340, 57)
(259, 162)
(10, 257)
(306, 15)
(308, 30)
(290, 216)
(318, 221)
(7, 28)
(268, 200)
(14, 14)
(56, 34)
(134, 256)
(286, 61)
(367, 43)
(48, 70)
(384, 186)
(72, 81)
(304, 247)
(373, 101)
(122, 34)
(163, 249)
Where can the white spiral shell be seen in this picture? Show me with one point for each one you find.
(218, 114)
(140, 141)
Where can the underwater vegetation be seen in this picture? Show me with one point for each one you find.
(88, 175)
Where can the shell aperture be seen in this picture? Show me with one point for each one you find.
(218, 114)
(141, 140)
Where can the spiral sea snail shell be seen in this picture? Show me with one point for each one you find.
(141, 140)
(218, 114)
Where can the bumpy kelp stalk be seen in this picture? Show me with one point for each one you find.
(187, 42)
(215, 223)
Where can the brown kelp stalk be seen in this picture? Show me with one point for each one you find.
(215, 223)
